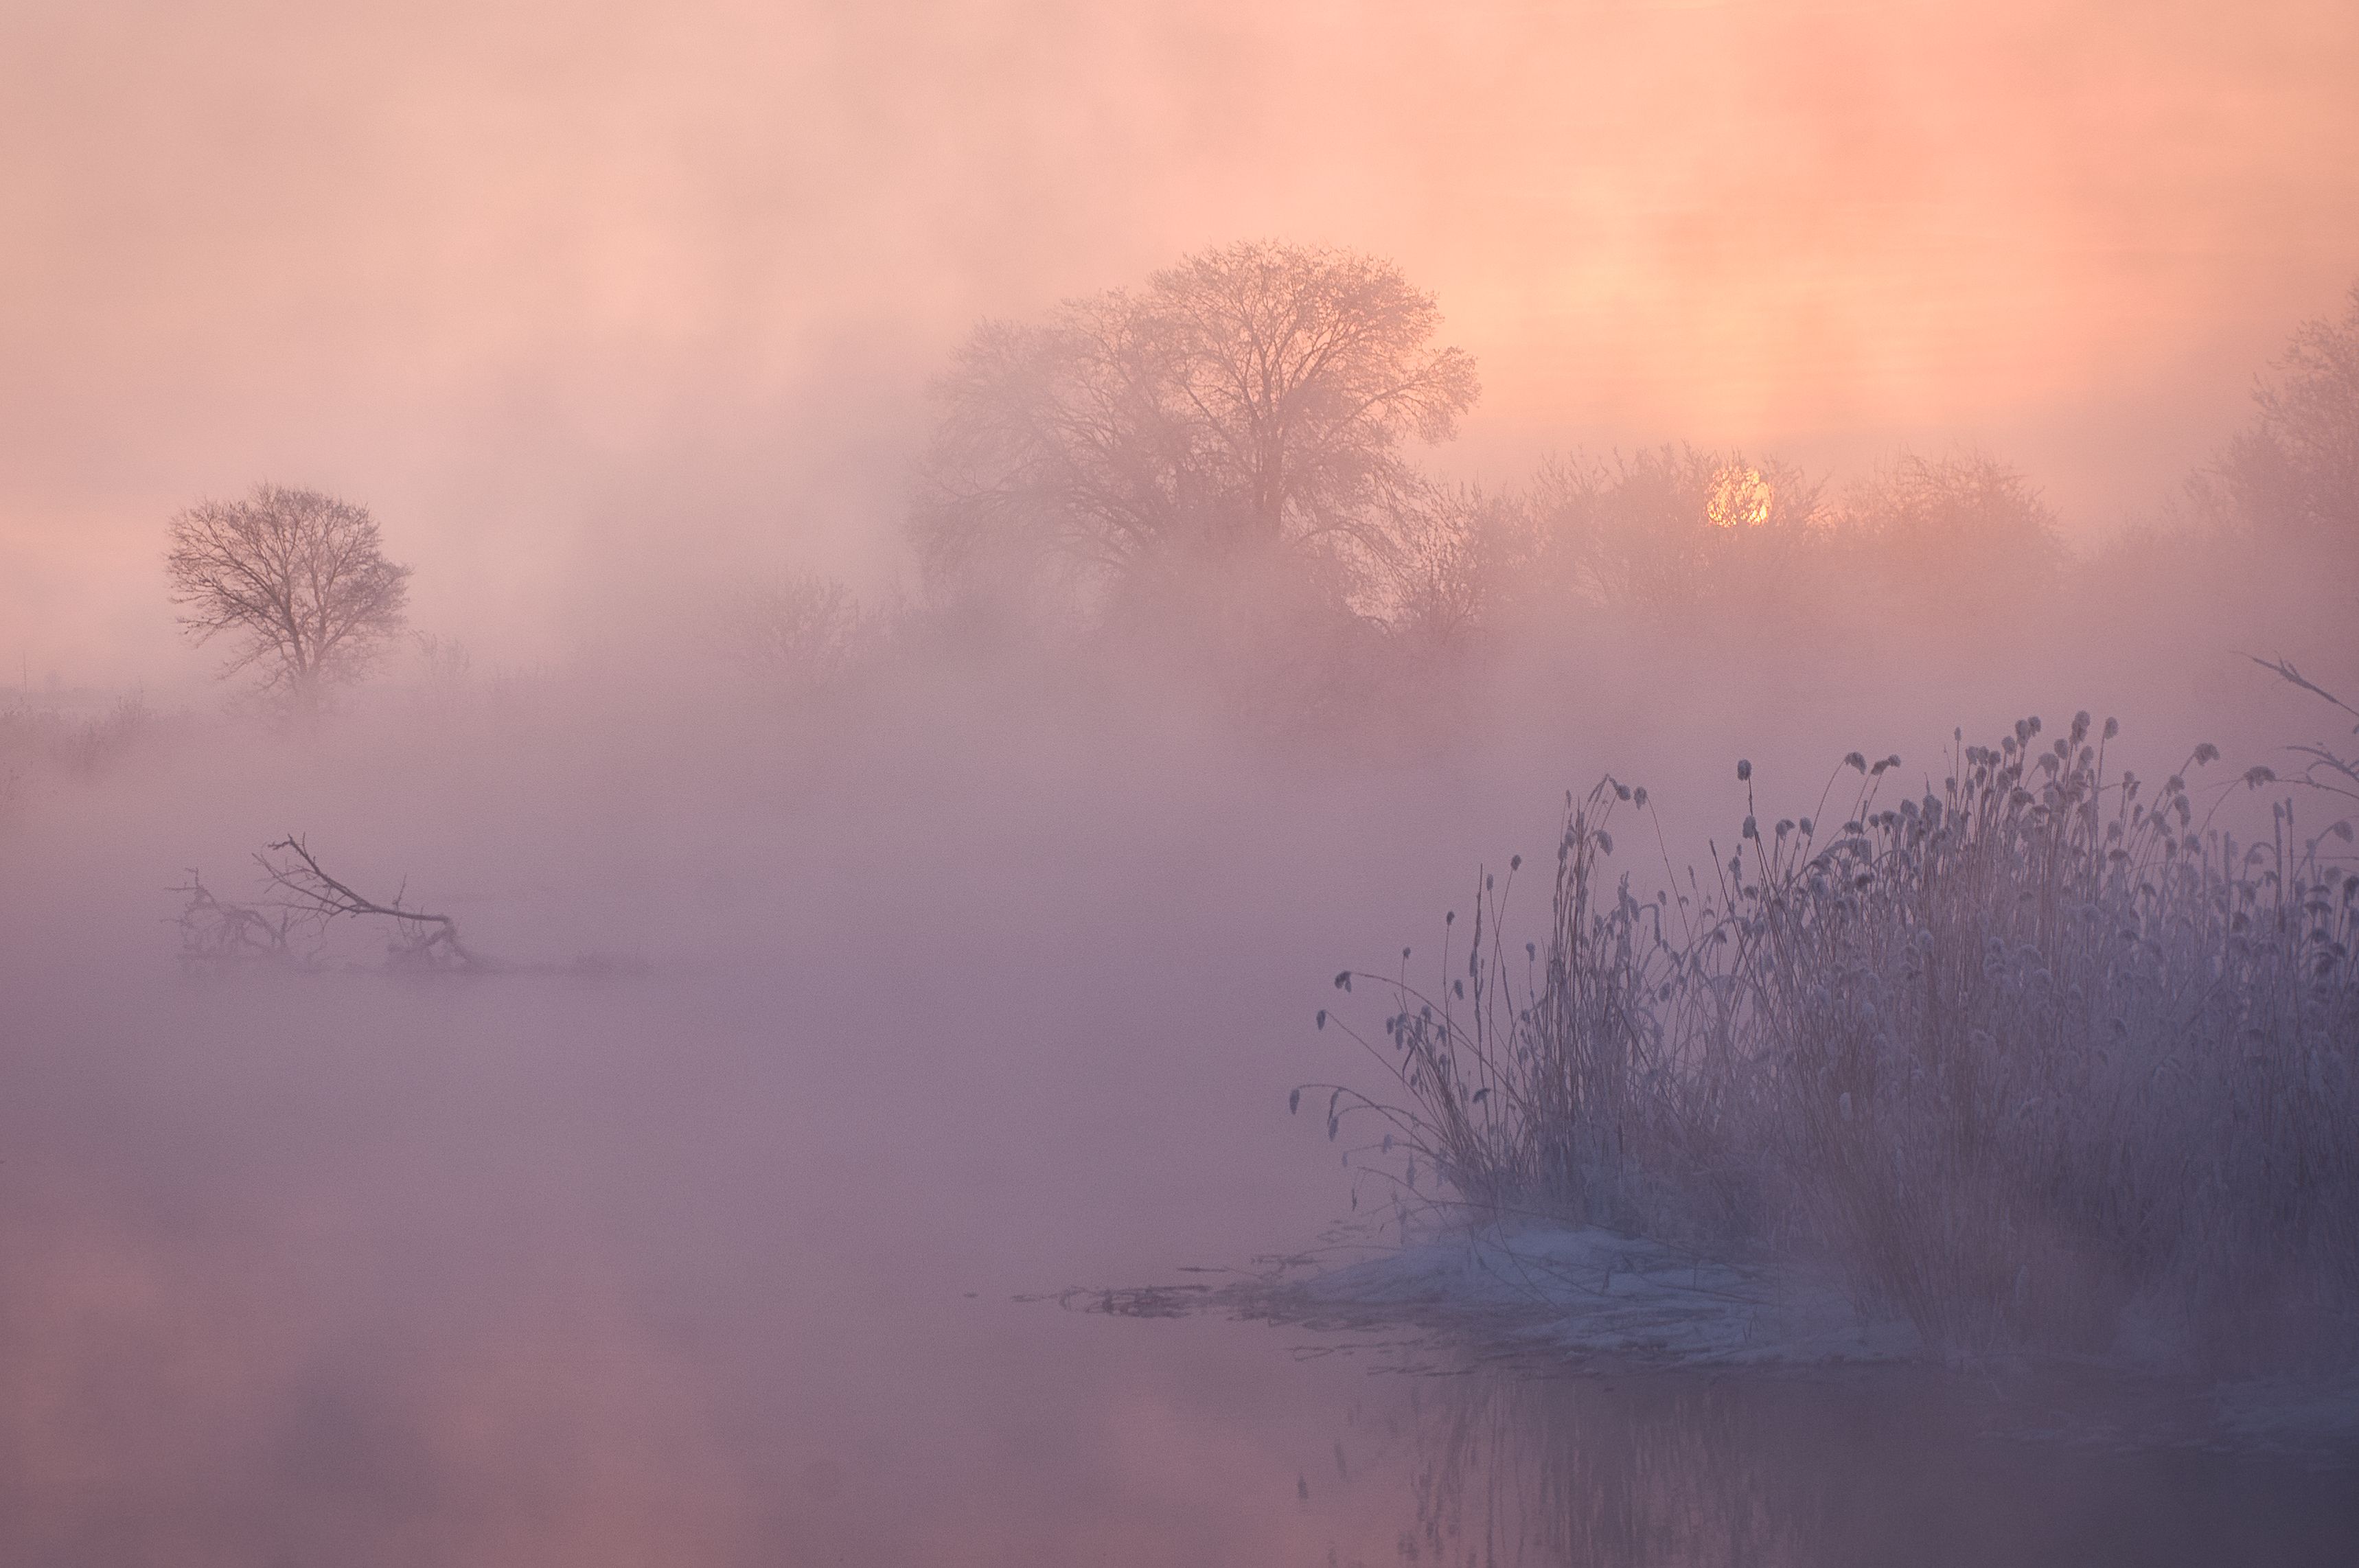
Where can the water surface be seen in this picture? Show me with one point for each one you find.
(717, 1258)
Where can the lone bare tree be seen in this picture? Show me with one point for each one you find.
(296, 578)
(1250, 403)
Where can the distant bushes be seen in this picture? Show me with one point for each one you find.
(1656, 535)
(1121, 474)
(799, 633)
(1947, 541)
(36, 741)
(2293, 475)
(2015, 1054)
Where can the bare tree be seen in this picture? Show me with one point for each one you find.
(1661, 532)
(1439, 564)
(2295, 474)
(1953, 537)
(296, 579)
(1250, 403)
(798, 632)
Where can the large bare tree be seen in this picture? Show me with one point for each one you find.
(1252, 401)
(297, 579)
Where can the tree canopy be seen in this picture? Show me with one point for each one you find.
(1252, 401)
(2295, 474)
(295, 579)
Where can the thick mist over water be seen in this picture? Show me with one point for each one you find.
(596, 305)
(906, 999)
(912, 768)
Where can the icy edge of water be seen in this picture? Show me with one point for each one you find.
(2303, 1415)
(1584, 1297)
(1585, 1294)
(1584, 1300)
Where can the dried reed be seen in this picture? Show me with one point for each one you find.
(2015, 1054)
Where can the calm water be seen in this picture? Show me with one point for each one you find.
(547, 1273)
(717, 1264)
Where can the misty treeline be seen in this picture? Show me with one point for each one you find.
(2030, 1051)
(294, 582)
(1241, 430)
(1222, 475)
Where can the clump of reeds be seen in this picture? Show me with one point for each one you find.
(2014, 1052)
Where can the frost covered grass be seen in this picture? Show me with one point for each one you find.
(2025, 1058)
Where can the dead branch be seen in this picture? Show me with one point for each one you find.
(2323, 768)
(2284, 669)
(304, 891)
(216, 934)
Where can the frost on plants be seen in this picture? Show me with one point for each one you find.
(2019, 1055)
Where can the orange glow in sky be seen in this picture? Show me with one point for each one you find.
(1741, 498)
(576, 294)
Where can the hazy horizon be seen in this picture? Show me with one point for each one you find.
(599, 303)
(853, 961)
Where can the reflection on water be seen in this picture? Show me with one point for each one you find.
(712, 1267)
(1909, 1468)
(574, 1276)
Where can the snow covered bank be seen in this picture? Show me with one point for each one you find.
(1579, 1297)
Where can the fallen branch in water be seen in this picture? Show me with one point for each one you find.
(302, 897)
(218, 934)
(305, 891)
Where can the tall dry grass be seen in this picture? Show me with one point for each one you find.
(2017, 1055)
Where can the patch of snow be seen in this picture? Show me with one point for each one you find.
(2292, 1414)
(1589, 1294)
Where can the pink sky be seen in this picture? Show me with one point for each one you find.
(584, 297)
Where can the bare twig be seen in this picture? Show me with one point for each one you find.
(217, 934)
(2284, 669)
(2323, 768)
(304, 891)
